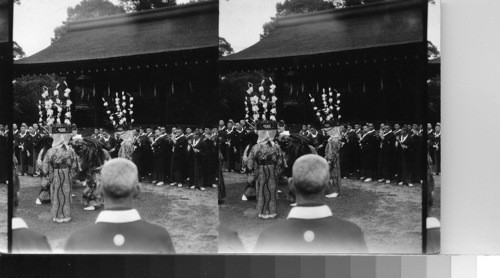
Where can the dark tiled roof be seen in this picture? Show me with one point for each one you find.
(173, 29)
(373, 25)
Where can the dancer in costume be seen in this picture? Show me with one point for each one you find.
(127, 145)
(266, 160)
(92, 156)
(332, 156)
(294, 146)
(249, 192)
(59, 166)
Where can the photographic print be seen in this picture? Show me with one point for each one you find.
(332, 139)
(114, 104)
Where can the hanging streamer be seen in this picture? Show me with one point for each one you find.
(190, 86)
(303, 86)
(381, 84)
(291, 88)
(83, 92)
(140, 91)
(173, 89)
(364, 86)
(154, 90)
(109, 89)
(93, 92)
(317, 86)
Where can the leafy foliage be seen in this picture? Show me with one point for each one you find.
(87, 9)
(144, 5)
(18, 51)
(27, 91)
(233, 91)
(432, 51)
(291, 7)
(434, 93)
(224, 47)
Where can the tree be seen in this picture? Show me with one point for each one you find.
(144, 5)
(291, 7)
(432, 51)
(87, 9)
(224, 47)
(27, 93)
(350, 3)
(18, 51)
(434, 94)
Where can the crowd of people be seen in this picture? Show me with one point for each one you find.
(196, 158)
(384, 154)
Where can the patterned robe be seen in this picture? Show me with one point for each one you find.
(266, 160)
(332, 156)
(59, 166)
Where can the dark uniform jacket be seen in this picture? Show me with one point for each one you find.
(312, 230)
(120, 231)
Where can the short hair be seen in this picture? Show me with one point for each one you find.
(119, 178)
(310, 174)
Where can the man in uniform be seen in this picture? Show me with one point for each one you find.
(119, 228)
(96, 135)
(437, 148)
(387, 150)
(23, 145)
(311, 226)
(368, 143)
(232, 147)
(179, 158)
(159, 148)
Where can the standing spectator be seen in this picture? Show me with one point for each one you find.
(387, 150)
(369, 144)
(407, 163)
(23, 144)
(4, 146)
(437, 149)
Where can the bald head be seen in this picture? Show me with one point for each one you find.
(311, 174)
(119, 178)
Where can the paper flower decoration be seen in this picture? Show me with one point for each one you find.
(123, 109)
(327, 111)
(261, 98)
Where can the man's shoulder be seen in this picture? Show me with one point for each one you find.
(29, 241)
(27, 233)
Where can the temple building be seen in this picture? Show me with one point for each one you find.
(375, 55)
(167, 59)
